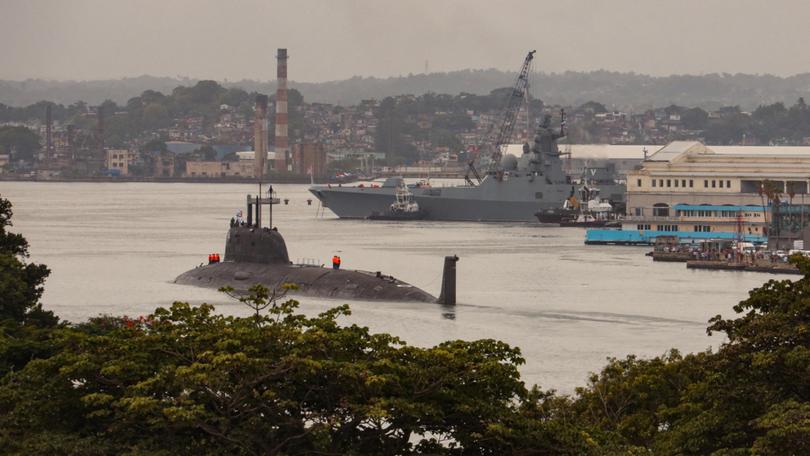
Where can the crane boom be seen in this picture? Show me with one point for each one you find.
(513, 103)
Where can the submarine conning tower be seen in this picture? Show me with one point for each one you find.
(251, 242)
(247, 244)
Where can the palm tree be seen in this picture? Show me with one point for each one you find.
(761, 191)
(774, 192)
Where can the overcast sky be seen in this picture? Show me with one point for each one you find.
(336, 39)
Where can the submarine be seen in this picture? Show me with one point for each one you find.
(258, 255)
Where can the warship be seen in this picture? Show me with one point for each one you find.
(515, 191)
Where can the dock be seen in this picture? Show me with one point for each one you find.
(772, 268)
(671, 257)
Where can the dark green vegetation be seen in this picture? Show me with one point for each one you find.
(153, 110)
(406, 121)
(626, 91)
(408, 128)
(19, 142)
(186, 380)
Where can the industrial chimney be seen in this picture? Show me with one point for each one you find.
(260, 136)
(282, 142)
(48, 135)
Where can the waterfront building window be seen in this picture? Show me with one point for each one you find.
(653, 182)
(691, 183)
(676, 182)
(683, 183)
(638, 183)
(669, 183)
(639, 211)
(702, 229)
(714, 184)
(660, 210)
(721, 184)
(705, 184)
(642, 227)
(728, 184)
(660, 182)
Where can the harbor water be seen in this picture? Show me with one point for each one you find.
(115, 248)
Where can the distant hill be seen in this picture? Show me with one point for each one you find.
(627, 91)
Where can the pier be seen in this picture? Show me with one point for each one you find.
(772, 268)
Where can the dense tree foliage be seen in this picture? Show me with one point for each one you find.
(186, 380)
(626, 91)
(190, 381)
(151, 111)
(20, 142)
(750, 397)
(434, 119)
(24, 324)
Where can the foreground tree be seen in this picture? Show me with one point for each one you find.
(750, 397)
(188, 380)
(22, 318)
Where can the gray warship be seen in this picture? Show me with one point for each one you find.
(512, 192)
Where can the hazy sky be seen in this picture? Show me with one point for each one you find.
(336, 39)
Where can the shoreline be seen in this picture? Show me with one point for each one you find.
(188, 180)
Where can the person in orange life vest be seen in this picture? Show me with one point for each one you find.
(335, 262)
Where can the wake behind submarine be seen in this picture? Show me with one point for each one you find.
(258, 255)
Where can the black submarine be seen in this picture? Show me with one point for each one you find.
(258, 255)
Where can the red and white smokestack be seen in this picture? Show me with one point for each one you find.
(282, 141)
(260, 136)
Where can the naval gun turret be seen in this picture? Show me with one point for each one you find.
(258, 255)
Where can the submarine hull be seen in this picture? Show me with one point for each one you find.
(311, 281)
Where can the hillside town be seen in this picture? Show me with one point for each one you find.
(208, 131)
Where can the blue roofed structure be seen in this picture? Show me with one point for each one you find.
(647, 237)
(720, 208)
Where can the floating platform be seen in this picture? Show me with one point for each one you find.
(778, 268)
(671, 257)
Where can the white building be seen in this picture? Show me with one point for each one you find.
(709, 192)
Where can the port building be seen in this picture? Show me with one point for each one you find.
(698, 192)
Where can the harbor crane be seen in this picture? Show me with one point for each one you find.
(514, 100)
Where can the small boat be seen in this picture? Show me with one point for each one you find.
(555, 216)
(403, 208)
(585, 221)
(593, 213)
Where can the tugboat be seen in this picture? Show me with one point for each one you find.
(593, 213)
(403, 208)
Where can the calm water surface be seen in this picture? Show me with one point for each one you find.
(116, 247)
